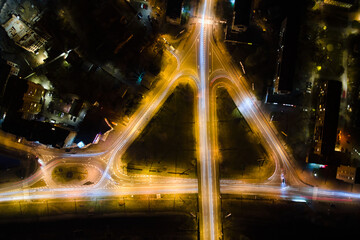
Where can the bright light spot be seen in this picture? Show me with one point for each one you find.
(81, 144)
(245, 106)
(41, 162)
(318, 68)
(298, 200)
(205, 21)
(316, 165)
(357, 17)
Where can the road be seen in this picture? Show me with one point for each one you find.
(203, 61)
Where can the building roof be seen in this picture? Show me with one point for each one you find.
(288, 47)
(289, 34)
(13, 97)
(4, 73)
(332, 105)
(23, 35)
(242, 10)
(93, 124)
(173, 8)
(291, 100)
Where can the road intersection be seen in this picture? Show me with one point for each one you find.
(203, 62)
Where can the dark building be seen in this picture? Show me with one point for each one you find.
(286, 64)
(76, 107)
(173, 11)
(92, 128)
(327, 114)
(290, 100)
(241, 16)
(7, 69)
(4, 73)
(45, 133)
(13, 96)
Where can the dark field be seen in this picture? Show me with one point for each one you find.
(162, 226)
(125, 217)
(16, 165)
(278, 219)
(241, 154)
(167, 145)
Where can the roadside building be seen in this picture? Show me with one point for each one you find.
(42, 132)
(287, 54)
(14, 70)
(241, 15)
(13, 96)
(347, 174)
(173, 11)
(32, 101)
(67, 110)
(23, 35)
(24, 115)
(327, 114)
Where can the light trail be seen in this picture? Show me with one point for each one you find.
(245, 101)
(208, 194)
(208, 186)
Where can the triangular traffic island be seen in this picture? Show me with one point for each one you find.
(241, 155)
(166, 147)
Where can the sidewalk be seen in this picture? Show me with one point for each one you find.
(328, 183)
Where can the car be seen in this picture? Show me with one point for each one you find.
(308, 87)
(144, 6)
(282, 177)
(139, 15)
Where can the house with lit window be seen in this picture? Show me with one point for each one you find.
(348, 174)
(32, 101)
(326, 122)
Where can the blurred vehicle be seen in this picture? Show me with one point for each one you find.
(282, 177)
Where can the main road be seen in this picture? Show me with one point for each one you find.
(210, 224)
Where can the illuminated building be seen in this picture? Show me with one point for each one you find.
(22, 35)
(33, 100)
(347, 174)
